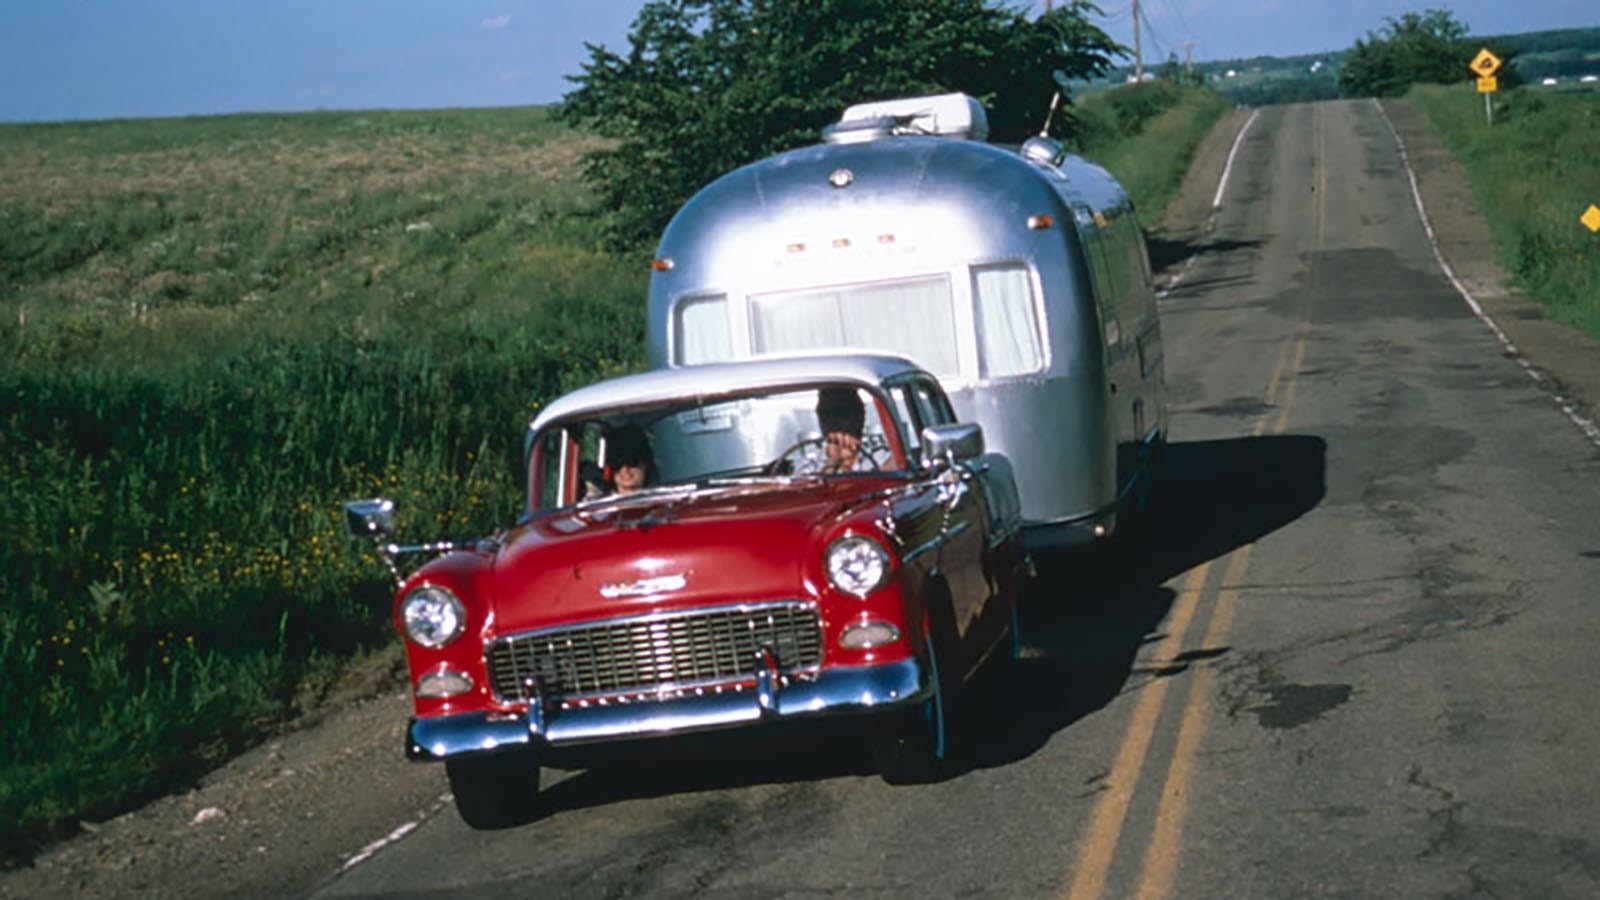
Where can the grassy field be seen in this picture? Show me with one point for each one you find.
(214, 331)
(1533, 173)
(217, 329)
(1145, 135)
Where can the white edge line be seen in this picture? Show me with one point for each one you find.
(1566, 405)
(1216, 204)
(371, 850)
(1227, 168)
(367, 852)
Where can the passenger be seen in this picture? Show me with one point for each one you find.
(631, 462)
(841, 417)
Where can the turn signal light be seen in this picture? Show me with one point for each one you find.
(866, 635)
(444, 683)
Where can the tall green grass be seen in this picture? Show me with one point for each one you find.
(1534, 172)
(214, 330)
(1145, 135)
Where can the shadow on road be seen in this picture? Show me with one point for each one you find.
(1084, 622)
(1165, 253)
(1092, 609)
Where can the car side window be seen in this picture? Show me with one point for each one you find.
(905, 409)
(932, 407)
(547, 479)
(568, 465)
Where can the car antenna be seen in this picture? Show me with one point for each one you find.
(1060, 78)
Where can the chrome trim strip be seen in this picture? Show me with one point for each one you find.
(660, 615)
(934, 542)
(925, 547)
(857, 689)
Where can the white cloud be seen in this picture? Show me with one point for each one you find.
(496, 23)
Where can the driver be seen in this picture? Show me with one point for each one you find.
(841, 418)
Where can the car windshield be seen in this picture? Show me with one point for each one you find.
(816, 431)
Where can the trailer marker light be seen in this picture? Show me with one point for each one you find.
(797, 248)
(885, 238)
(841, 243)
(1040, 222)
(661, 264)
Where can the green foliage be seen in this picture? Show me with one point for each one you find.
(709, 85)
(1566, 54)
(1145, 135)
(213, 331)
(1417, 48)
(1533, 175)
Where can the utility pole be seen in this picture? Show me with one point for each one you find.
(1188, 57)
(1138, 58)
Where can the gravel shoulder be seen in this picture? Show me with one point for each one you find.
(285, 817)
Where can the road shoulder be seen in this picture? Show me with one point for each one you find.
(1567, 358)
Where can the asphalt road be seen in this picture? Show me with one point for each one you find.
(1353, 656)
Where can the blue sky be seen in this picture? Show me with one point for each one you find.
(74, 59)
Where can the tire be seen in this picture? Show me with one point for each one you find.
(921, 747)
(500, 790)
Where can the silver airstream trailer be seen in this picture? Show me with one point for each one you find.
(1017, 275)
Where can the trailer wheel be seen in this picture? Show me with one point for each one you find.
(494, 791)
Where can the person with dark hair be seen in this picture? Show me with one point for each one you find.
(629, 458)
(841, 418)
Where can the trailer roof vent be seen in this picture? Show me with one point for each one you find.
(945, 115)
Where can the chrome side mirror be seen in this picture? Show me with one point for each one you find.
(370, 518)
(950, 444)
(374, 520)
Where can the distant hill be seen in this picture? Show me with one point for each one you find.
(1565, 54)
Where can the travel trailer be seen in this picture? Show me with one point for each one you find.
(1016, 274)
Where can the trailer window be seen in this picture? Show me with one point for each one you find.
(700, 331)
(1008, 325)
(916, 318)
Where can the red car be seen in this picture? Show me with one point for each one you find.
(715, 547)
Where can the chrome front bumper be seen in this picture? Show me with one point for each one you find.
(832, 692)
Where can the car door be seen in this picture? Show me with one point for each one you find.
(964, 529)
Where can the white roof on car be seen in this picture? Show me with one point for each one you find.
(662, 385)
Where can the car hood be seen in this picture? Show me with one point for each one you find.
(666, 551)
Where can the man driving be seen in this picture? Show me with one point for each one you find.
(841, 417)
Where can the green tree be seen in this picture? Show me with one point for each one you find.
(1428, 47)
(708, 85)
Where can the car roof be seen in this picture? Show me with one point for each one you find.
(714, 379)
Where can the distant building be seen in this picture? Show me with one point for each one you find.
(1548, 81)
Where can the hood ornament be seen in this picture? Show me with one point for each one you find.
(656, 584)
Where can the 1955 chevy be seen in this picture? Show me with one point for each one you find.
(715, 547)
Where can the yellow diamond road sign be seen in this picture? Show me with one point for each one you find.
(1591, 218)
(1485, 63)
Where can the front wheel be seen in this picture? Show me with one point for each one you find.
(495, 791)
(919, 748)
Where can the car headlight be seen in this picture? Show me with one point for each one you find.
(857, 565)
(432, 616)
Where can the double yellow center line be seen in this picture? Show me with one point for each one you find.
(1159, 863)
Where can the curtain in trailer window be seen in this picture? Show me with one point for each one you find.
(1008, 325)
(702, 334)
(916, 318)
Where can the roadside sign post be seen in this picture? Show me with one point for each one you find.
(1484, 65)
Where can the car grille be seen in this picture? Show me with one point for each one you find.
(649, 654)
